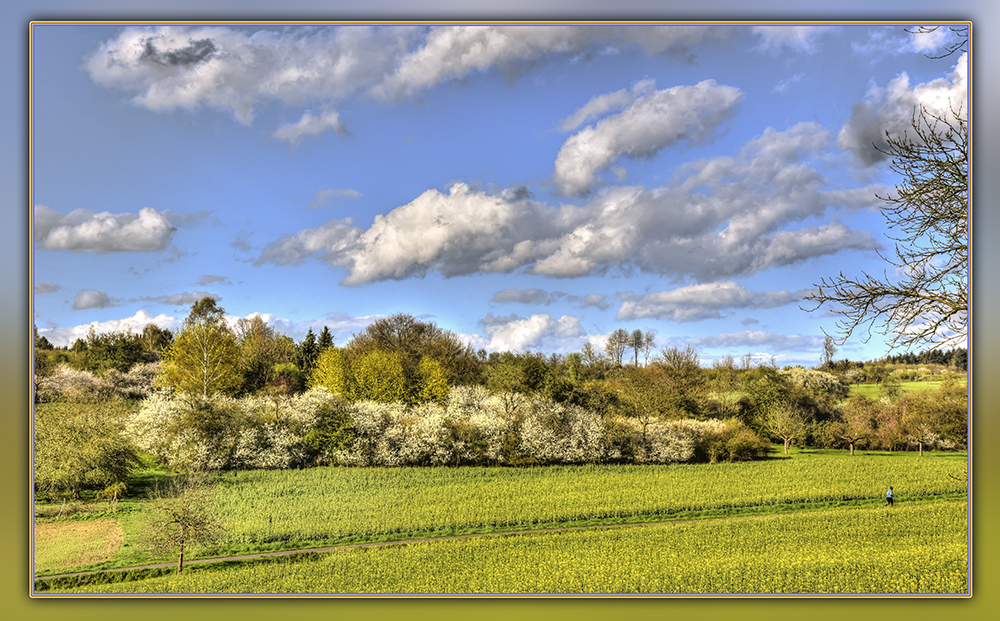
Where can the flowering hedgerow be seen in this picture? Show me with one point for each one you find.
(473, 427)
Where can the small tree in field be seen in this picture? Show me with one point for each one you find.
(786, 422)
(181, 517)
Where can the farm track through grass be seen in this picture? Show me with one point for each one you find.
(789, 553)
(285, 510)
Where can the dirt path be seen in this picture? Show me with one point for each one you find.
(373, 544)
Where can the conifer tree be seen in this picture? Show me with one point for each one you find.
(308, 351)
(325, 340)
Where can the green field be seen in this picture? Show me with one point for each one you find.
(872, 390)
(915, 549)
(815, 491)
(346, 504)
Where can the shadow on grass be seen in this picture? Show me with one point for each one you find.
(147, 477)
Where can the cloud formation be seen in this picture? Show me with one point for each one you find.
(454, 53)
(701, 301)
(798, 39)
(238, 70)
(539, 331)
(541, 297)
(524, 296)
(310, 125)
(85, 231)
(891, 109)
(720, 218)
(210, 279)
(89, 298)
(60, 337)
(179, 299)
(652, 121)
(46, 287)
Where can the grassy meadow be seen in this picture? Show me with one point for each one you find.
(842, 551)
(784, 506)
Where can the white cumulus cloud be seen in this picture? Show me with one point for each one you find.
(62, 336)
(85, 231)
(700, 301)
(720, 218)
(652, 122)
(455, 52)
(539, 331)
(237, 70)
(891, 109)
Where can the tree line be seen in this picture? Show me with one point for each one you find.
(211, 396)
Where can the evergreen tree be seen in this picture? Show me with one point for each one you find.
(307, 352)
(325, 340)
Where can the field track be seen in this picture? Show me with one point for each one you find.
(373, 544)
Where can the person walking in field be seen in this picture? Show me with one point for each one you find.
(888, 497)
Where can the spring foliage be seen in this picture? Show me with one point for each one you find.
(472, 427)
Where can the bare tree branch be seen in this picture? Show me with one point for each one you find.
(961, 43)
(926, 302)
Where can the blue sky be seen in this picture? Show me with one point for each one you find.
(526, 187)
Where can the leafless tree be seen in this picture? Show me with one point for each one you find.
(180, 517)
(929, 213)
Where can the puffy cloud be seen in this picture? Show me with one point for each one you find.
(700, 301)
(800, 39)
(540, 331)
(84, 231)
(602, 104)
(460, 232)
(455, 52)
(652, 122)
(334, 240)
(720, 218)
(66, 336)
(891, 109)
(310, 125)
(45, 287)
(89, 298)
(756, 338)
(237, 70)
